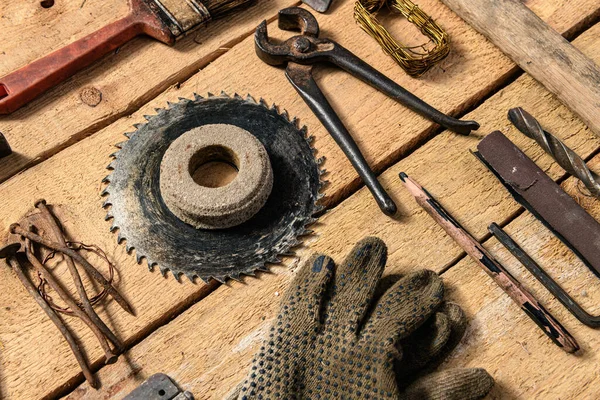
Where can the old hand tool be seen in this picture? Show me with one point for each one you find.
(539, 50)
(318, 5)
(564, 156)
(300, 52)
(519, 294)
(164, 20)
(557, 291)
(541, 196)
(214, 235)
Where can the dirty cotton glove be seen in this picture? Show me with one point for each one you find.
(332, 339)
(426, 349)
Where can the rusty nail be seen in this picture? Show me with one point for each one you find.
(87, 306)
(18, 269)
(18, 230)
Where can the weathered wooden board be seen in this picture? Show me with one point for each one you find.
(138, 72)
(212, 359)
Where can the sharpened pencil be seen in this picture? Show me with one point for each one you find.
(529, 304)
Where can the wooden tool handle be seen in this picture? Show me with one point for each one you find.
(21, 86)
(539, 50)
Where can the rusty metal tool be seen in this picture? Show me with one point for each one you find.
(18, 230)
(5, 149)
(318, 5)
(111, 357)
(9, 253)
(541, 196)
(164, 20)
(557, 291)
(511, 286)
(159, 387)
(301, 52)
(83, 297)
(564, 156)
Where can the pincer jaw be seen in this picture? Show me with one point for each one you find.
(270, 53)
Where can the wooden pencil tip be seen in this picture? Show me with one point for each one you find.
(403, 176)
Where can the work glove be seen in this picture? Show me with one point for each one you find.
(336, 338)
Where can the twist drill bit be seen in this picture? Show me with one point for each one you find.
(564, 156)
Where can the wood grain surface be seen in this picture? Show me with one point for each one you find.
(235, 318)
(539, 50)
(205, 343)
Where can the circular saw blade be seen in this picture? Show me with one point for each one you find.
(146, 224)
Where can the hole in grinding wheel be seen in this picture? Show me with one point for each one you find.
(214, 166)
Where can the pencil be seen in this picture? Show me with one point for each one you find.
(493, 268)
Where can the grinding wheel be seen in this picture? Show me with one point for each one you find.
(138, 210)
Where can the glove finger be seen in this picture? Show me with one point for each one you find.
(433, 341)
(454, 384)
(424, 344)
(355, 283)
(405, 307)
(304, 298)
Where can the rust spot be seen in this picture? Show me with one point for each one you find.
(91, 96)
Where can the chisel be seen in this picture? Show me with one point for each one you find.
(164, 20)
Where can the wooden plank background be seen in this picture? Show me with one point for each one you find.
(203, 335)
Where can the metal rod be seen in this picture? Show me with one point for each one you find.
(545, 279)
(18, 230)
(511, 286)
(67, 299)
(87, 306)
(87, 373)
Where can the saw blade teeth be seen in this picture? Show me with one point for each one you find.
(111, 166)
(285, 247)
(190, 276)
